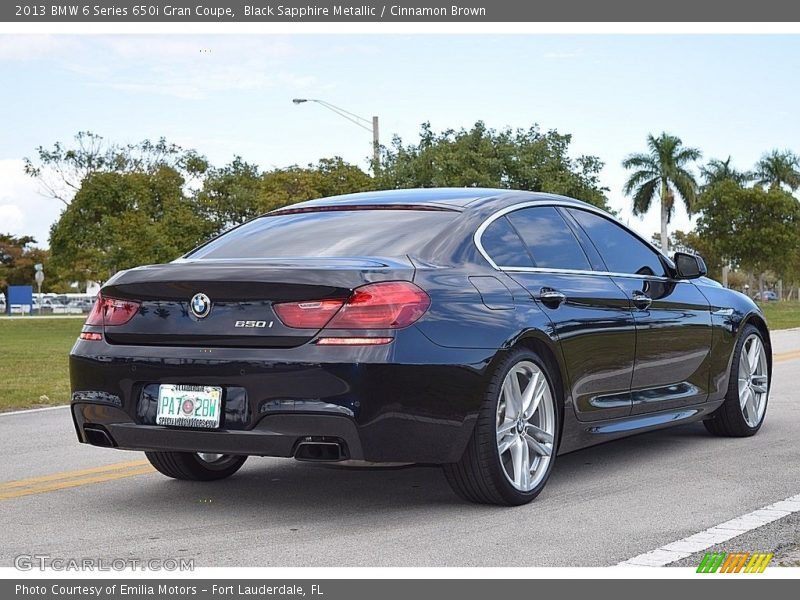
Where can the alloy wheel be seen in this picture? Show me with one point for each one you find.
(525, 425)
(753, 380)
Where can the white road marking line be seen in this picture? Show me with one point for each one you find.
(715, 535)
(32, 410)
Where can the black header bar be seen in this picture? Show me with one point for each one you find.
(455, 11)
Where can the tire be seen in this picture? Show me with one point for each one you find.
(736, 417)
(488, 475)
(191, 466)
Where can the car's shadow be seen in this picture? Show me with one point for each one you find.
(282, 485)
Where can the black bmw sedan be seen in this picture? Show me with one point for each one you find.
(487, 331)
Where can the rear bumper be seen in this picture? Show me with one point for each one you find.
(408, 401)
(274, 435)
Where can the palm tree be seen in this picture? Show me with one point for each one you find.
(778, 168)
(717, 171)
(662, 172)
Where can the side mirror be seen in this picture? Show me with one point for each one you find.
(689, 266)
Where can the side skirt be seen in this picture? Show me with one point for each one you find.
(578, 434)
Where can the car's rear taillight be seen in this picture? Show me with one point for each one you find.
(385, 305)
(112, 311)
(307, 315)
(96, 314)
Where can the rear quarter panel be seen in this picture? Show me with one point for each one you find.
(467, 314)
(460, 317)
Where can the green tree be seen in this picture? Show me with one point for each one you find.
(336, 177)
(693, 243)
(329, 177)
(62, 168)
(716, 171)
(122, 220)
(483, 157)
(238, 191)
(230, 194)
(753, 228)
(662, 172)
(778, 168)
(17, 257)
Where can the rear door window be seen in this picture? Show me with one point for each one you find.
(502, 243)
(549, 239)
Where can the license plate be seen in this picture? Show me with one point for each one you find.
(189, 405)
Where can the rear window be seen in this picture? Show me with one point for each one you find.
(330, 233)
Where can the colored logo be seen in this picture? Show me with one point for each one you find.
(735, 562)
(188, 406)
(200, 305)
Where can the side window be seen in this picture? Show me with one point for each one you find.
(621, 251)
(504, 246)
(591, 252)
(549, 239)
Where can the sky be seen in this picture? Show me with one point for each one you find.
(231, 94)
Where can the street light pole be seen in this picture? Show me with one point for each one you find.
(376, 145)
(355, 120)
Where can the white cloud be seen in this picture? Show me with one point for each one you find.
(196, 84)
(170, 49)
(11, 218)
(23, 210)
(33, 47)
(563, 55)
(186, 67)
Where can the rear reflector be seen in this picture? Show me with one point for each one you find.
(92, 337)
(111, 311)
(385, 305)
(353, 341)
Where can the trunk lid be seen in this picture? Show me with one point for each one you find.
(242, 294)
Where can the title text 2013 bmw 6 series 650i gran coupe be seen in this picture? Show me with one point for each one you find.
(484, 330)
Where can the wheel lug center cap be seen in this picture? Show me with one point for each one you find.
(520, 425)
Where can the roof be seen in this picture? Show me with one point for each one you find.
(457, 199)
(454, 198)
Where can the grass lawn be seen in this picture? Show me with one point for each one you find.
(33, 361)
(33, 355)
(781, 315)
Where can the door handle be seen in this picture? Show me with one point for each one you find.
(552, 298)
(641, 300)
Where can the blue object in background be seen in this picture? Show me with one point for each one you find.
(19, 294)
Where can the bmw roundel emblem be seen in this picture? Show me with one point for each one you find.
(200, 305)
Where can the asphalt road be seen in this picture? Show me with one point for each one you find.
(602, 505)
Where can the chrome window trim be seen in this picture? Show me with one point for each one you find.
(555, 271)
(509, 209)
